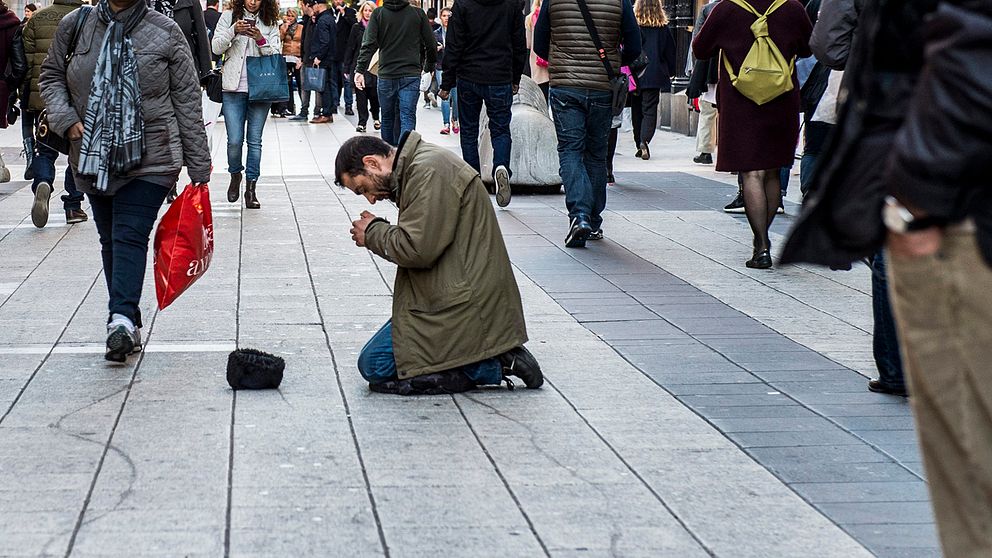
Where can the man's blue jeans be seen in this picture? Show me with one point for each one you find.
(238, 112)
(377, 363)
(398, 101)
(124, 222)
(582, 121)
(498, 100)
(43, 166)
(885, 340)
(450, 105)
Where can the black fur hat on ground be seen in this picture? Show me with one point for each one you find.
(253, 369)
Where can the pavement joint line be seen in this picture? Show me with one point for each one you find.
(499, 472)
(337, 373)
(229, 495)
(48, 355)
(109, 445)
(35, 268)
(679, 398)
(99, 348)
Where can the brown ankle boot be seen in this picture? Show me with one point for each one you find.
(251, 200)
(234, 189)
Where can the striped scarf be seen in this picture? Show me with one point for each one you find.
(113, 129)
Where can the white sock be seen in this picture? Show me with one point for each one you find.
(120, 320)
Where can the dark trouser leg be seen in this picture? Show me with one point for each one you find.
(469, 113)
(499, 99)
(649, 114)
(409, 92)
(235, 109)
(568, 107)
(597, 139)
(388, 90)
(305, 102)
(636, 117)
(124, 222)
(44, 166)
(362, 102)
(72, 199)
(373, 93)
(376, 362)
(885, 341)
(611, 149)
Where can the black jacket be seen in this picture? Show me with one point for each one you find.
(189, 16)
(841, 217)
(344, 24)
(306, 41)
(941, 160)
(659, 45)
(486, 43)
(324, 39)
(353, 47)
(210, 19)
(404, 39)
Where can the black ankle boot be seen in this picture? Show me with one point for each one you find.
(234, 189)
(251, 200)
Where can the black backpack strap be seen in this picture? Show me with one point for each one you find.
(80, 20)
(591, 26)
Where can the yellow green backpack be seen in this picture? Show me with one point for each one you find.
(765, 74)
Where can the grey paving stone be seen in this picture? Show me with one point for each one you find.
(779, 439)
(751, 400)
(898, 536)
(884, 513)
(881, 408)
(862, 491)
(760, 411)
(635, 330)
(673, 378)
(813, 455)
(875, 423)
(841, 472)
(883, 437)
(789, 424)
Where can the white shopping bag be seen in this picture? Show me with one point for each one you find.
(211, 112)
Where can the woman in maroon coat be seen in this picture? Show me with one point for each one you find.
(755, 140)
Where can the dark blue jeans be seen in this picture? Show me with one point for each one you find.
(341, 85)
(582, 121)
(885, 341)
(124, 222)
(238, 112)
(398, 102)
(498, 100)
(43, 166)
(377, 363)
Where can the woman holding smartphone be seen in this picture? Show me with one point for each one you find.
(250, 28)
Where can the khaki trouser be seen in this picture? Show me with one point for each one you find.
(706, 129)
(943, 309)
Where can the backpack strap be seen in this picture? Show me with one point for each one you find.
(84, 12)
(591, 26)
(747, 6)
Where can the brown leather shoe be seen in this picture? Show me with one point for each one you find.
(322, 120)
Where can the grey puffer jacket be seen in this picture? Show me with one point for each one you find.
(170, 95)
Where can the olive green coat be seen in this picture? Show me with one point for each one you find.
(39, 33)
(455, 300)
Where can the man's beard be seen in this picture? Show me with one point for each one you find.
(381, 184)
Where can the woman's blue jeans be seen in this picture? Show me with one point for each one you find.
(377, 363)
(238, 112)
(124, 222)
(449, 106)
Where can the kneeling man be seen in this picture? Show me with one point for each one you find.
(457, 318)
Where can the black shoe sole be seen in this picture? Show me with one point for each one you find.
(119, 346)
(887, 391)
(577, 238)
(525, 367)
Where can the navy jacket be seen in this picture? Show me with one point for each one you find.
(324, 39)
(659, 45)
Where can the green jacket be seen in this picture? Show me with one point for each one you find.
(38, 34)
(455, 300)
(404, 39)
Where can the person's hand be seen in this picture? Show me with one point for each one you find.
(347, 77)
(75, 133)
(444, 94)
(254, 32)
(516, 88)
(358, 228)
(915, 244)
(299, 64)
(316, 62)
(360, 81)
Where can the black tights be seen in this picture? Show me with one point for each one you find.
(762, 196)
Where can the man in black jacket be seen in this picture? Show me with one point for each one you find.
(323, 53)
(306, 46)
(344, 19)
(484, 57)
(211, 15)
(939, 221)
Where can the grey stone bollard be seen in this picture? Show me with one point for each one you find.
(683, 118)
(534, 155)
(664, 110)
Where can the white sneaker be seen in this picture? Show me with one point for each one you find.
(503, 192)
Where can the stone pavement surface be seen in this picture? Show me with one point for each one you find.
(692, 407)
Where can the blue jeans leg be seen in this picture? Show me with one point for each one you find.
(388, 90)
(469, 114)
(499, 100)
(124, 222)
(409, 94)
(377, 364)
(885, 340)
(235, 110)
(582, 121)
(258, 113)
(807, 166)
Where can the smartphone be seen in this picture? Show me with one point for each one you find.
(249, 22)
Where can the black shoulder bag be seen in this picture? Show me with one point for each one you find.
(619, 82)
(43, 133)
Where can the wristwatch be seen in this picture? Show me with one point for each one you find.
(900, 220)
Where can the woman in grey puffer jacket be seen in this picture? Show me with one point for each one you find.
(128, 100)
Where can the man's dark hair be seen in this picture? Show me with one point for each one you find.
(31, 7)
(351, 153)
(213, 3)
(431, 13)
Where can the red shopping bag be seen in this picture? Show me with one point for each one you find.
(184, 244)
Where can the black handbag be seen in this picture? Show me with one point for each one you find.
(619, 82)
(213, 84)
(44, 134)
